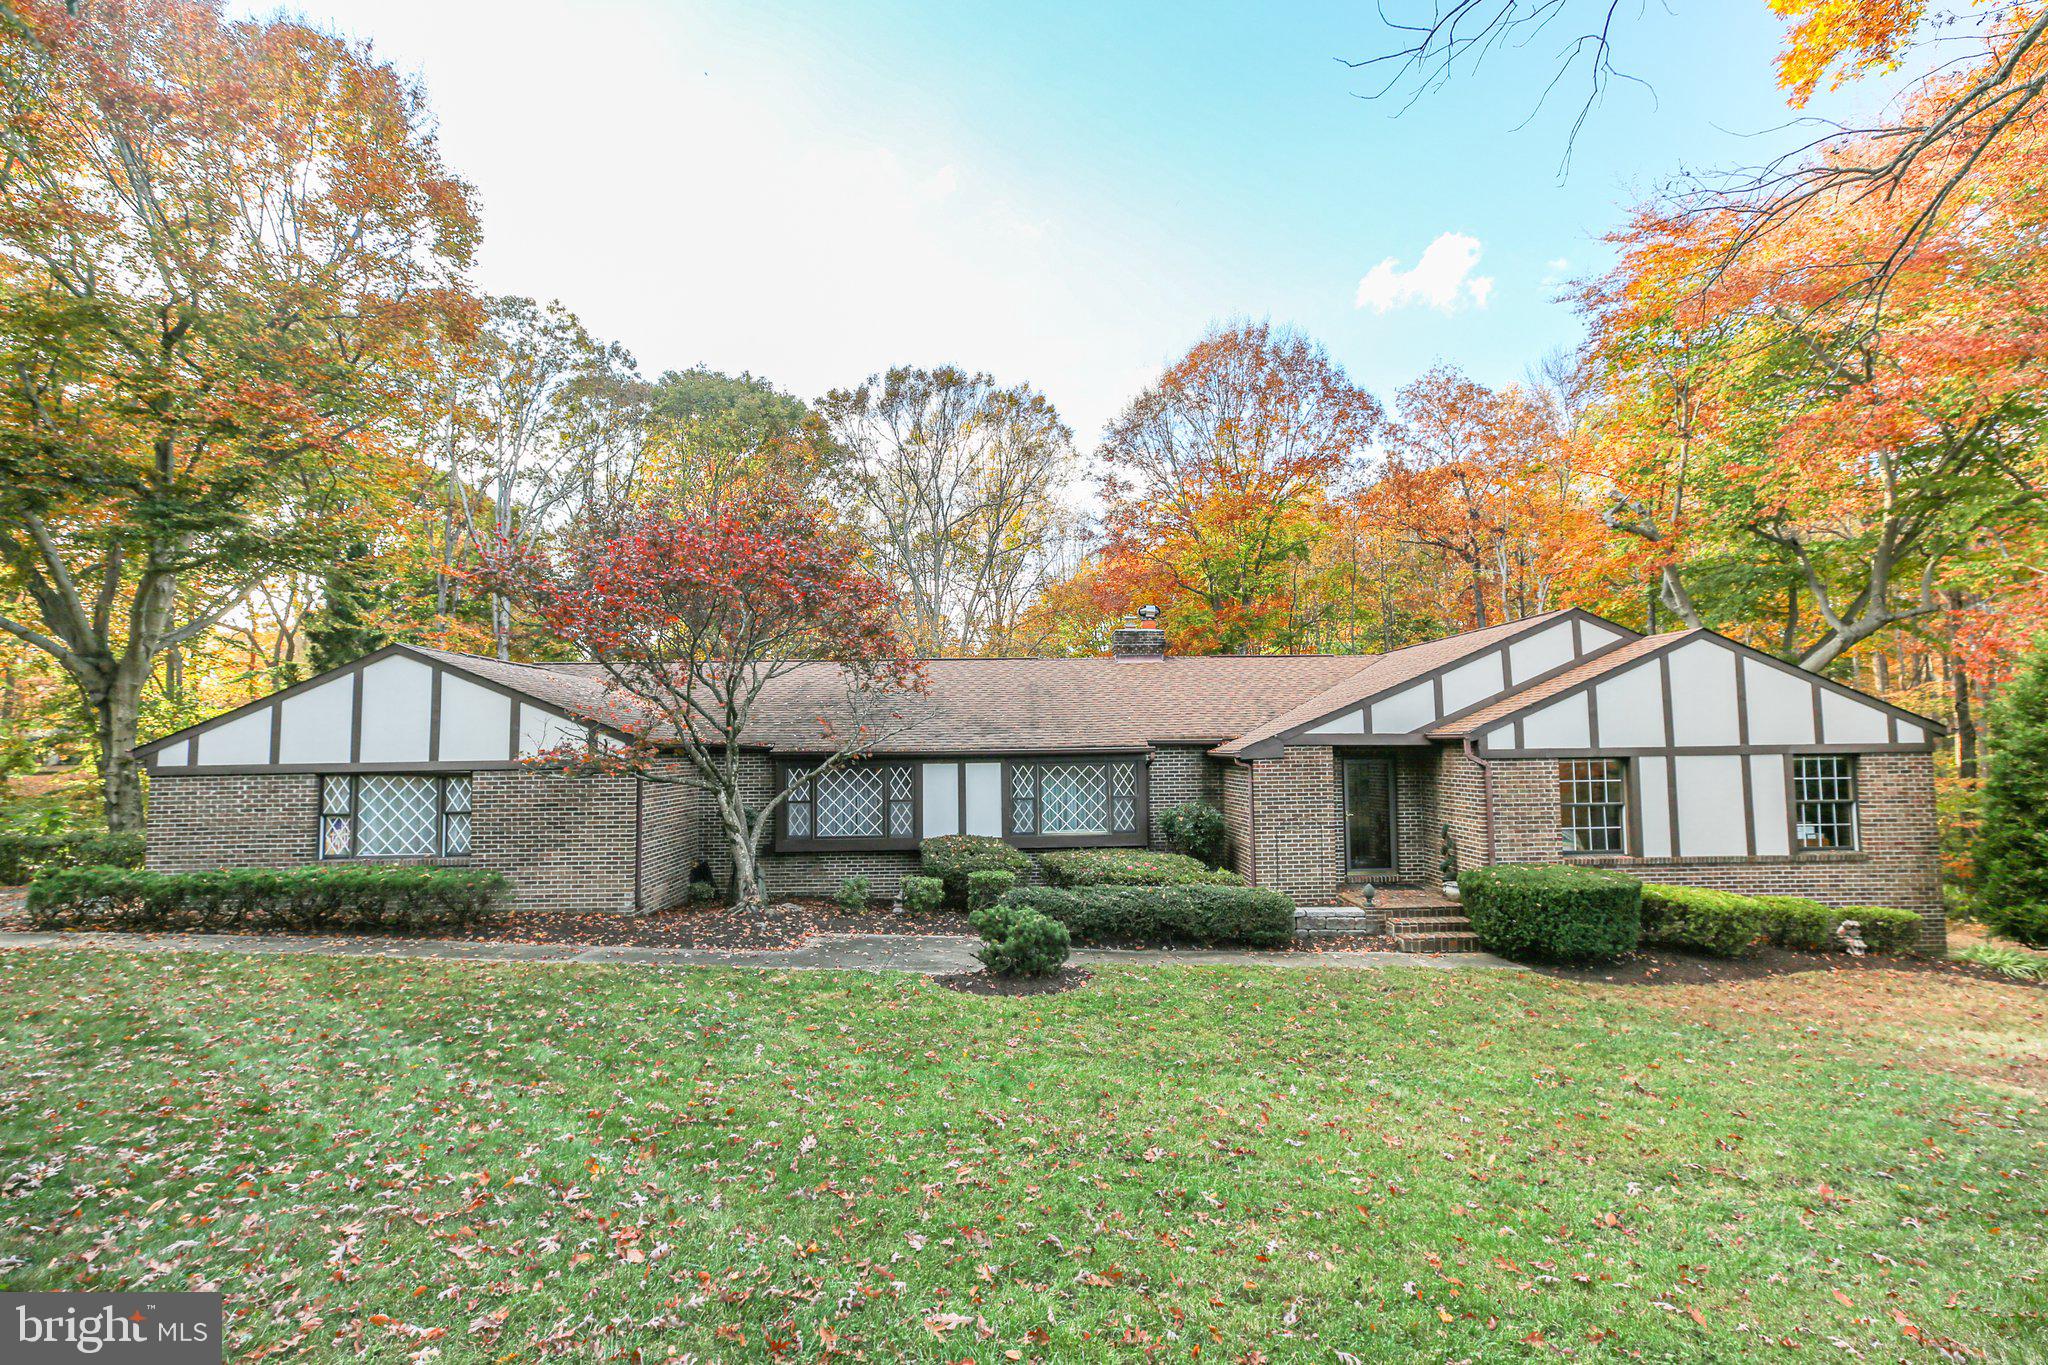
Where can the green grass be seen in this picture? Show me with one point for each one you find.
(501, 1162)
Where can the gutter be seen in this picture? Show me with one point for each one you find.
(1486, 794)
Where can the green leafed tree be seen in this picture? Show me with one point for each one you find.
(2012, 843)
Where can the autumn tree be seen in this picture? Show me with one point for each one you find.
(710, 436)
(695, 618)
(958, 483)
(1218, 481)
(218, 241)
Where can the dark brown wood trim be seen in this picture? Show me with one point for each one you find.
(434, 718)
(1629, 751)
(512, 740)
(276, 732)
(1748, 801)
(355, 719)
(1819, 734)
(287, 769)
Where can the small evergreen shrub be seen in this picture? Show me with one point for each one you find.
(1196, 830)
(1718, 923)
(703, 893)
(1018, 941)
(1799, 923)
(2012, 839)
(952, 857)
(1883, 929)
(853, 893)
(1130, 867)
(25, 853)
(1180, 914)
(1553, 914)
(988, 886)
(923, 894)
(355, 899)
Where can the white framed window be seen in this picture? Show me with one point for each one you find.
(395, 815)
(1592, 805)
(1824, 801)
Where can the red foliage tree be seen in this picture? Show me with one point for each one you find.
(695, 618)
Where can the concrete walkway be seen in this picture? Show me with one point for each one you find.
(927, 954)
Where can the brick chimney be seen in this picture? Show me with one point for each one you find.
(1139, 641)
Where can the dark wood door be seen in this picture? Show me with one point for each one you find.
(1369, 814)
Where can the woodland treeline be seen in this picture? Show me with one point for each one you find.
(255, 418)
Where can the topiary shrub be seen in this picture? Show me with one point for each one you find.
(853, 893)
(1883, 929)
(1196, 830)
(1718, 923)
(1552, 914)
(23, 854)
(357, 899)
(921, 895)
(988, 886)
(1019, 941)
(1179, 914)
(1798, 923)
(1130, 867)
(2012, 838)
(953, 857)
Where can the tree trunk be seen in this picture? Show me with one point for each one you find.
(115, 711)
(1966, 719)
(746, 888)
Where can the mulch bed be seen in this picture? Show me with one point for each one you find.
(779, 924)
(1655, 967)
(982, 983)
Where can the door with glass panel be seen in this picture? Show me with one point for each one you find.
(1369, 814)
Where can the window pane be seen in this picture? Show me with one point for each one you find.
(334, 796)
(1592, 800)
(1123, 786)
(455, 835)
(849, 804)
(799, 820)
(1073, 798)
(1824, 800)
(455, 793)
(397, 817)
(334, 836)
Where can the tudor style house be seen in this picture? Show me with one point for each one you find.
(1683, 757)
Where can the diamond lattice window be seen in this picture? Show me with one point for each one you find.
(1086, 800)
(397, 817)
(849, 802)
(1073, 799)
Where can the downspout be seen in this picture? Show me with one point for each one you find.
(1251, 793)
(1486, 795)
(639, 823)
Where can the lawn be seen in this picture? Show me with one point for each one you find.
(391, 1160)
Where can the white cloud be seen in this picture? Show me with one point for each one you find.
(1442, 279)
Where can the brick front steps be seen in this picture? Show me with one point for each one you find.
(1418, 919)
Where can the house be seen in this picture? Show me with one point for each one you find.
(1683, 757)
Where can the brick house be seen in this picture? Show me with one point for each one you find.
(1683, 757)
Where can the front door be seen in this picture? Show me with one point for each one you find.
(1369, 814)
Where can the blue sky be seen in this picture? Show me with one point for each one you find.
(1065, 194)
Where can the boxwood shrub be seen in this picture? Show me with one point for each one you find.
(1799, 923)
(1553, 914)
(23, 854)
(1883, 929)
(1717, 923)
(1130, 867)
(360, 899)
(1181, 914)
(1019, 941)
(1197, 829)
(952, 858)
(986, 887)
(923, 894)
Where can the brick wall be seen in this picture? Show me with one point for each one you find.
(669, 844)
(1296, 802)
(1239, 806)
(567, 844)
(1897, 866)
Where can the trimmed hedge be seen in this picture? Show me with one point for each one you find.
(388, 899)
(1555, 914)
(923, 894)
(1182, 914)
(1197, 829)
(23, 855)
(952, 858)
(988, 886)
(1017, 941)
(1130, 867)
(1883, 929)
(1799, 923)
(1717, 923)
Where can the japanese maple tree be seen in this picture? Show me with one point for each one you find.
(694, 617)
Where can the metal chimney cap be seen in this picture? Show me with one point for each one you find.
(1148, 613)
